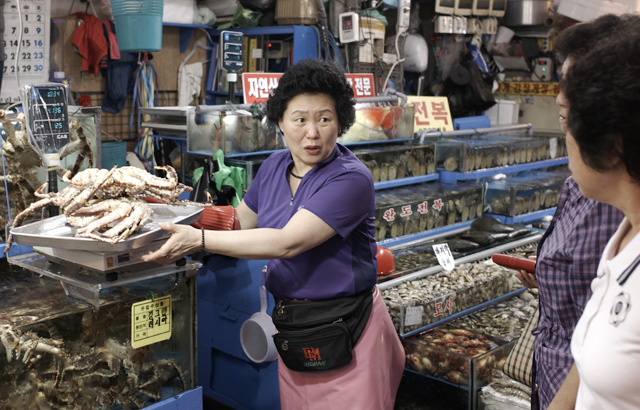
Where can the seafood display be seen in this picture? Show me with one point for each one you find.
(82, 141)
(422, 207)
(419, 255)
(466, 154)
(456, 355)
(396, 162)
(104, 204)
(417, 303)
(521, 194)
(22, 164)
(59, 354)
(380, 123)
(505, 320)
(235, 132)
(487, 230)
(504, 393)
(20, 170)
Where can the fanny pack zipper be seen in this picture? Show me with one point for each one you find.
(280, 311)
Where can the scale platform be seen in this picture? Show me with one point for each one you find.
(102, 262)
(54, 232)
(85, 284)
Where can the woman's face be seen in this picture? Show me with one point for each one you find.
(310, 128)
(590, 181)
(561, 101)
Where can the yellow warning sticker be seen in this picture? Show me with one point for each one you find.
(150, 321)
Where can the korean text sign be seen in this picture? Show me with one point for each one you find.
(431, 113)
(258, 86)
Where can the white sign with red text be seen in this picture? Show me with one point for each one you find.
(431, 113)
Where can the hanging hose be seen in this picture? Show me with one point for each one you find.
(145, 94)
(6, 187)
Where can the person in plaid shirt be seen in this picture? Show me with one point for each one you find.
(602, 88)
(570, 249)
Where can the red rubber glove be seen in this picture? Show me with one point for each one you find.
(218, 218)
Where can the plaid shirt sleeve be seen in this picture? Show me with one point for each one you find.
(568, 259)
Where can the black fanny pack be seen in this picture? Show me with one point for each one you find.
(316, 336)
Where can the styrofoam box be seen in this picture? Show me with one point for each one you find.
(179, 11)
(503, 112)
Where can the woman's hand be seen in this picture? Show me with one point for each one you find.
(184, 239)
(528, 279)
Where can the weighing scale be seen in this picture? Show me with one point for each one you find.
(46, 112)
(85, 266)
(232, 57)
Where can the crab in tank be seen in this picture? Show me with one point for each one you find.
(21, 171)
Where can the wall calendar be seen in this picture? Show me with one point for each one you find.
(26, 58)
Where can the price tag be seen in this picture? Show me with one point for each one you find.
(443, 253)
(553, 147)
(32, 55)
(150, 321)
(413, 315)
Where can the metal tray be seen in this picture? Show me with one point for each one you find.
(55, 233)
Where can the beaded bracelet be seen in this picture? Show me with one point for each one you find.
(202, 229)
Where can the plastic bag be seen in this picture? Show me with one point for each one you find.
(222, 182)
(261, 5)
(243, 18)
(474, 96)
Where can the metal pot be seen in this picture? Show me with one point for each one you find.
(527, 12)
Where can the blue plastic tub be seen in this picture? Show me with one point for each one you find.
(138, 24)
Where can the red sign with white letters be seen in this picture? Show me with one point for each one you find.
(362, 85)
(257, 86)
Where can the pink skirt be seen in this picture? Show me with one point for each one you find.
(369, 382)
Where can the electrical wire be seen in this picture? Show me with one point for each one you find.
(6, 186)
(95, 13)
(334, 47)
(10, 106)
(207, 33)
(318, 51)
(402, 33)
(16, 68)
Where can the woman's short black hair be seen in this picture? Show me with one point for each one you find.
(602, 88)
(578, 39)
(314, 76)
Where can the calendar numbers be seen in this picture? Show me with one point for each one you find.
(26, 47)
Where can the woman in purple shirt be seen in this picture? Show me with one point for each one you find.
(310, 211)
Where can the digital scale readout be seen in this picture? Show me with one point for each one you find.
(48, 117)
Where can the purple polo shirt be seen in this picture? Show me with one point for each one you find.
(340, 192)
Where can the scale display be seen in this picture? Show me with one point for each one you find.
(45, 107)
(232, 51)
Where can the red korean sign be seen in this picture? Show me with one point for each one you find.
(362, 85)
(529, 88)
(258, 86)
